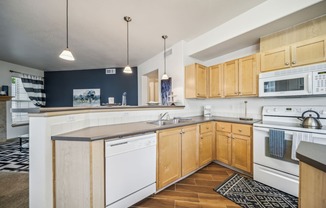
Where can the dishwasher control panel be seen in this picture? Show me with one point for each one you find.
(132, 143)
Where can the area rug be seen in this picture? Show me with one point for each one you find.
(250, 193)
(12, 159)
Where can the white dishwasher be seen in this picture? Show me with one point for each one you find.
(130, 170)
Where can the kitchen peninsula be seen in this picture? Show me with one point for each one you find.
(92, 125)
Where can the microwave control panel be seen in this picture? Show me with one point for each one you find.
(319, 82)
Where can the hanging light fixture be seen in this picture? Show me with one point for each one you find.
(127, 69)
(165, 76)
(66, 54)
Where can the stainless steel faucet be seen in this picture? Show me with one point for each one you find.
(166, 114)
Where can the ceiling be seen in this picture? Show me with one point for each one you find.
(33, 32)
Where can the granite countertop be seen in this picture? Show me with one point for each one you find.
(116, 131)
(313, 154)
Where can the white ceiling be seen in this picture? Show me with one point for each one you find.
(32, 32)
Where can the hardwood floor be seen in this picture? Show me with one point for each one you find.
(195, 191)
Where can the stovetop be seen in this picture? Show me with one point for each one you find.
(286, 117)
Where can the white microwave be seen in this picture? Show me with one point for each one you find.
(299, 81)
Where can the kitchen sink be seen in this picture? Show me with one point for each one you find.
(170, 122)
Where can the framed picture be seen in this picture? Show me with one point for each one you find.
(86, 97)
(166, 88)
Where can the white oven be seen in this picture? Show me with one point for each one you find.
(299, 81)
(282, 172)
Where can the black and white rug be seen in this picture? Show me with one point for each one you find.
(250, 193)
(12, 159)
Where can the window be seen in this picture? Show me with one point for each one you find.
(20, 103)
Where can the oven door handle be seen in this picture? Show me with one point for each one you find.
(267, 130)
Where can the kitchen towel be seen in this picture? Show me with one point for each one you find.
(276, 143)
(296, 139)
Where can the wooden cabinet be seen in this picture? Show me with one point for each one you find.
(196, 81)
(278, 58)
(205, 143)
(312, 186)
(79, 179)
(215, 86)
(308, 51)
(240, 76)
(301, 53)
(177, 154)
(230, 78)
(189, 150)
(169, 157)
(233, 145)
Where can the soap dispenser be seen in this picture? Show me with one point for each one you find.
(124, 99)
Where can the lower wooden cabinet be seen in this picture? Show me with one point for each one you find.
(189, 150)
(223, 147)
(169, 157)
(205, 143)
(177, 154)
(233, 143)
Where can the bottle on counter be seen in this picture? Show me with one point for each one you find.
(124, 99)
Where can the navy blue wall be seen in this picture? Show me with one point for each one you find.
(59, 85)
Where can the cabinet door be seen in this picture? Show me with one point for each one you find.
(168, 157)
(230, 78)
(308, 51)
(205, 148)
(275, 59)
(201, 81)
(215, 81)
(241, 152)
(248, 76)
(223, 147)
(189, 150)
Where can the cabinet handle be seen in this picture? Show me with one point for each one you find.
(286, 63)
(222, 127)
(240, 130)
(236, 93)
(239, 93)
(293, 62)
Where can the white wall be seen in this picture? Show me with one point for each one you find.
(5, 79)
(174, 69)
(256, 17)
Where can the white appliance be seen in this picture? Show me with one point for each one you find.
(283, 173)
(299, 81)
(130, 170)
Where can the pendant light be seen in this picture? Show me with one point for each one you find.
(127, 69)
(66, 54)
(165, 76)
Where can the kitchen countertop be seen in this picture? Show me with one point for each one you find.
(56, 111)
(116, 131)
(313, 154)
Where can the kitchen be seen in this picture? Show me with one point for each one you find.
(230, 107)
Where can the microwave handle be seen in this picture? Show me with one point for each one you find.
(309, 83)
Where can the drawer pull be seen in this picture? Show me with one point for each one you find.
(240, 130)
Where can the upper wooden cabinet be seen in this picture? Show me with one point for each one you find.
(297, 54)
(240, 76)
(231, 78)
(196, 81)
(215, 86)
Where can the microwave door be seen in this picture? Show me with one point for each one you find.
(289, 85)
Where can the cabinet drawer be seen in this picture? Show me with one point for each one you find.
(205, 127)
(222, 126)
(241, 129)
